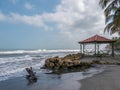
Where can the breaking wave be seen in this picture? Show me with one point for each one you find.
(34, 51)
(13, 63)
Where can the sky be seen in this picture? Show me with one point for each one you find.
(49, 24)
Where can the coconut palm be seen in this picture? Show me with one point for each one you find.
(112, 15)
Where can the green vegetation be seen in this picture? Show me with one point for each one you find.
(112, 14)
(117, 43)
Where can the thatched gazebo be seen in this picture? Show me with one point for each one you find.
(96, 40)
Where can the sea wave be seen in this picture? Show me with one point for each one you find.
(34, 51)
(14, 66)
(15, 59)
(17, 68)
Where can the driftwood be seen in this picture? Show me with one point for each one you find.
(31, 75)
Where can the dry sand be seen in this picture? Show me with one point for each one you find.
(107, 80)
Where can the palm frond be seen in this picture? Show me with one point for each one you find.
(103, 3)
(110, 8)
(108, 18)
(108, 27)
(112, 15)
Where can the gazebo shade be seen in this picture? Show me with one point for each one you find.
(97, 39)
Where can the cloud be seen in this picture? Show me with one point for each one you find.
(77, 18)
(78, 14)
(73, 18)
(2, 17)
(35, 20)
(29, 6)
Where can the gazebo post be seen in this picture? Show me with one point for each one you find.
(95, 48)
(81, 48)
(112, 49)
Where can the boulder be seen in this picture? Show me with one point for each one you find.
(68, 63)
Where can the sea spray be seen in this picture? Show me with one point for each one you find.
(13, 63)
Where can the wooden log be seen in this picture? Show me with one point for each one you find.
(31, 75)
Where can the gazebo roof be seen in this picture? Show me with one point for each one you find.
(97, 39)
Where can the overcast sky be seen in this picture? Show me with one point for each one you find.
(49, 24)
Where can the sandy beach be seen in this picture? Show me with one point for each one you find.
(107, 80)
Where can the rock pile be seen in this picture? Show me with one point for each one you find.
(72, 63)
(68, 63)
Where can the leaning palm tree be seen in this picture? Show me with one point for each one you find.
(112, 15)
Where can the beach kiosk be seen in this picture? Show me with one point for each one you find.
(96, 40)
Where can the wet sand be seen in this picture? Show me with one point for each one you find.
(107, 80)
(66, 81)
(45, 82)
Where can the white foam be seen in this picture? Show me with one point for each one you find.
(92, 71)
(14, 66)
(12, 73)
(82, 75)
(17, 70)
(35, 51)
(15, 59)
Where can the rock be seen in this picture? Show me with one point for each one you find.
(77, 56)
(68, 63)
(69, 60)
(96, 62)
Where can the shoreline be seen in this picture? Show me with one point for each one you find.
(105, 77)
(99, 76)
(68, 81)
(106, 80)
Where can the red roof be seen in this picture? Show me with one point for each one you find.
(97, 39)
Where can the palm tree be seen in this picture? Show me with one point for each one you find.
(112, 14)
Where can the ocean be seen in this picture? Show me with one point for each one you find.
(14, 62)
(13, 73)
